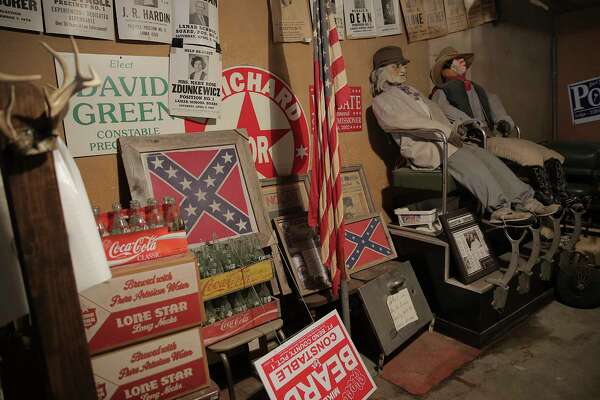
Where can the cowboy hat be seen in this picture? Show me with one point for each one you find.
(388, 55)
(447, 54)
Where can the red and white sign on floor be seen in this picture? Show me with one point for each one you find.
(320, 362)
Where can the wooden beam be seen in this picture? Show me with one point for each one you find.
(41, 237)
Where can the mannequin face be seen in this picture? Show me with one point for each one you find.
(459, 66)
(395, 73)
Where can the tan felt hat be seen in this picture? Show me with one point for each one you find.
(447, 54)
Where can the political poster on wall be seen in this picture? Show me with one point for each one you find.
(456, 15)
(359, 16)
(290, 21)
(80, 18)
(195, 82)
(414, 19)
(387, 17)
(22, 15)
(584, 98)
(148, 20)
(435, 17)
(338, 14)
(320, 362)
(480, 11)
(197, 21)
(132, 100)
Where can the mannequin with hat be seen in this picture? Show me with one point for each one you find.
(399, 106)
(464, 102)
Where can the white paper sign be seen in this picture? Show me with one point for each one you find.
(148, 20)
(402, 309)
(387, 17)
(360, 19)
(338, 7)
(197, 21)
(132, 100)
(80, 18)
(24, 14)
(195, 82)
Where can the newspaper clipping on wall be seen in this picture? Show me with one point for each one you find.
(360, 19)
(290, 21)
(387, 17)
(456, 15)
(472, 248)
(197, 21)
(414, 19)
(148, 20)
(195, 82)
(480, 12)
(21, 15)
(80, 18)
(435, 18)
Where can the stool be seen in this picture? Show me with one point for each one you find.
(260, 332)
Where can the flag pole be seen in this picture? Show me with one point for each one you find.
(345, 299)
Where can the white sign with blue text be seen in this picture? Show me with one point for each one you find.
(584, 97)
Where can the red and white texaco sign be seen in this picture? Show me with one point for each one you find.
(263, 104)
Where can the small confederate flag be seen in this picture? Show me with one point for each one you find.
(331, 88)
(209, 188)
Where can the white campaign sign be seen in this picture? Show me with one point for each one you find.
(22, 15)
(132, 100)
(80, 18)
(148, 20)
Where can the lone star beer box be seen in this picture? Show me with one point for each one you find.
(142, 301)
(163, 368)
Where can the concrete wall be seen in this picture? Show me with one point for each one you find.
(512, 59)
(578, 60)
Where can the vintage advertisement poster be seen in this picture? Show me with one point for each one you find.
(132, 100)
(196, 21)
(387, 17)
(456, 15)
(348, 114)
(338, 14)
(480, 11)
(195, 82)
(414, 19)
(22, 15)
(584, 99)
(148, 20)
(320, 362)
(290, 21)
(360, 19)
(80, 18)
(435, 18)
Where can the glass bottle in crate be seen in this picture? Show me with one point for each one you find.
(118, 224)
(201, 262)
(137, 217)
(227, 257)
(251, 297)
(171, 214)
(155, 216)
(209, 310)
(99, 224)
(237, 302)
(264, 293)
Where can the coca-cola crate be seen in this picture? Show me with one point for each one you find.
(145, 245)
(141, 301)
(238, 279)
(241, 322)
(164, 368)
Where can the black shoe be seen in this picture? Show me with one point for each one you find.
(540, 182)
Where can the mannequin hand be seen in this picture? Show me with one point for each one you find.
(503, 127)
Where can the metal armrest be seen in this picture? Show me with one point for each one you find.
(433, 135)
(481, 133)
(518, 130)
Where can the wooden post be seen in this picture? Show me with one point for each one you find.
(58, 338)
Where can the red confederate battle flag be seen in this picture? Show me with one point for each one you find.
(331, 88)
(365, 242)
(208, 186)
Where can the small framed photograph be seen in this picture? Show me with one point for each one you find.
(367, 242)
(356, 195)
(211, 177)
(285, 195)
(472, 254)
(302, 252)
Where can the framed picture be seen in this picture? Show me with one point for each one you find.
(285, 195)
(302, 251)
(472, 254)
(211, 176)
(356, 196)
(367, 242)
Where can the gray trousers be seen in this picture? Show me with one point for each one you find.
(488, 178)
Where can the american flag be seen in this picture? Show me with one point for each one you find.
(331, 88)
(366, 243)
(209, 188)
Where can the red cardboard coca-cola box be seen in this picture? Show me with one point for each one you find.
(163, 368)
(141, 301)
(145, 245)
(241, 322)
